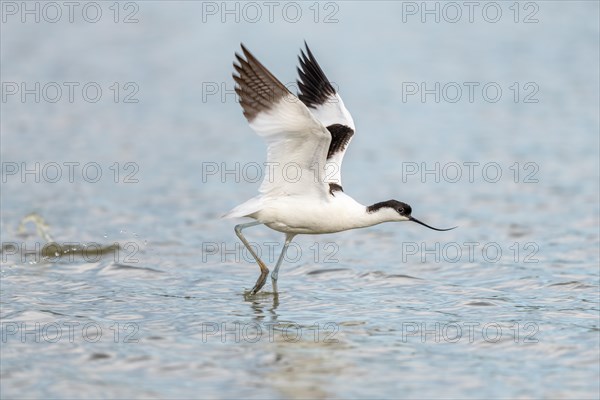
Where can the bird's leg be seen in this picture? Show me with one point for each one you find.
(275, 273)
(264, 271)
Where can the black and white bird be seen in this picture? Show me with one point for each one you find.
(307, 136)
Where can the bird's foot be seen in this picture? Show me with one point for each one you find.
(260, 282)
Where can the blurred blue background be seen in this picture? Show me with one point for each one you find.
(166, 117)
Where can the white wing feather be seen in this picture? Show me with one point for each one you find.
(297, 141)
(297, 148)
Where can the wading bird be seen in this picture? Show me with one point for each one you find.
(310, 133)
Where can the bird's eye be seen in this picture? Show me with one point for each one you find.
(401, 210)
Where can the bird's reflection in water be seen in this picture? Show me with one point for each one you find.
(292, 354)
(264, 305)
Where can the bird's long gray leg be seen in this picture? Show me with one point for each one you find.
(264, 271)
(275, 273)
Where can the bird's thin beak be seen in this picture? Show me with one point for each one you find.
(413, 219)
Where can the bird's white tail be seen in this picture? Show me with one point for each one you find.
(245, 209)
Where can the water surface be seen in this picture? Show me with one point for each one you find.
(505, 306)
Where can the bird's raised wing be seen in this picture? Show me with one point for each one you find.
(319, 95)
(297, 141)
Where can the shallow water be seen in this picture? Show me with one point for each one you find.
(505, 306)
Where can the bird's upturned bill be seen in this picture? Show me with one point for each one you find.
(413, 219)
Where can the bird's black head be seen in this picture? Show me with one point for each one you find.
(401, 208)
(404, 211)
